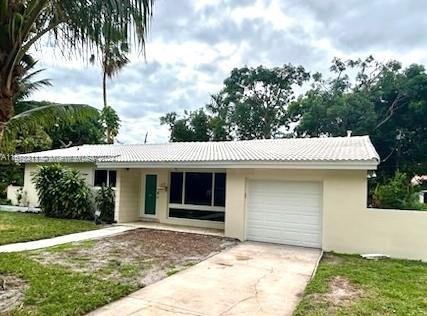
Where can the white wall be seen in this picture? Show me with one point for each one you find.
(86, 169)
(348, 225)
(12, 195)
(127, 195)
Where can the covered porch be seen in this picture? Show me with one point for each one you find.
(184, 197)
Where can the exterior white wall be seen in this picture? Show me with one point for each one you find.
(353, 228)
(87, 171)
(348, 225)
(12, 195)
(127, 195)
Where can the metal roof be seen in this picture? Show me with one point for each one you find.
(310, 151)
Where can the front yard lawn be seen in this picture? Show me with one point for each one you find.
(73, 279)
(19, 227)
(350, 285)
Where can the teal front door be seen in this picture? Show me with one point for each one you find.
(150, 194)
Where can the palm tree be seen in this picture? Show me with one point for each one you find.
(76, 27)
(113, 60)
(26, 85)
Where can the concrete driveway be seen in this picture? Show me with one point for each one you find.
(249, 279)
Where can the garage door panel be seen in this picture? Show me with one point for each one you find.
(284, 212)
(292, 218)
(293, 207)
(292, 221)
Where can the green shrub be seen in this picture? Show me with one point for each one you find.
(397, 193)
(63, 193)
(105, 203)
(4, 201)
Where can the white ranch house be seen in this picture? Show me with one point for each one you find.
(308, 192)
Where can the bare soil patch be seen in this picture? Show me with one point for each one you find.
(5, 226)
(138, 257)
(341, 293)
(12, 290)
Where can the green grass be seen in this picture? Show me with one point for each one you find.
(56, 291)
(386, 287)
(19, 227)
(174, 269)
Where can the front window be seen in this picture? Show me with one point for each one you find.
(197, 195)
(198, 188)
(176, 186)
(105, 177)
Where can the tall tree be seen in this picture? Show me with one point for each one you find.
(76, 27)
(194, 126)
(254, 101)
(253, 104)
(383, 100)
(113, 59)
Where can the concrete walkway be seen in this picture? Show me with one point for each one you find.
(249, 279)
(44, 243)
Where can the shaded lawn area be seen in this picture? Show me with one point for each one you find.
(19, 227)
(75, 278)
(350, 285)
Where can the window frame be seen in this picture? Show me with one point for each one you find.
(108, 177)
(196, 207)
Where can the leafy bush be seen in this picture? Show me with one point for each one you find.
(397, 193)
(63, 193)
(105, 203)
(4, 201)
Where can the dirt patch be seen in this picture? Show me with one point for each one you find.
(12, 291)
(341, 293)
(138, 257)
(5, 226)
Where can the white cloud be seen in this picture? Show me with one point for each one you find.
(194, 44)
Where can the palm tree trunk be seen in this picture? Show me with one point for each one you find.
(6, 110)
(104, 88)
(104, 94)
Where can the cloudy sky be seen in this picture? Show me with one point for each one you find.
(194, 44)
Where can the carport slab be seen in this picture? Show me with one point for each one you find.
(251, 278)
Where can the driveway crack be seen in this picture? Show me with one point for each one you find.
(255, 295)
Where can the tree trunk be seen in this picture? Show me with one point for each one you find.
(6, 111)
(104, 94)
(104, 88)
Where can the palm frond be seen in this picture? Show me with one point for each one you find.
(45, 116)
(25, 83)
(87, 25)
(27, 87)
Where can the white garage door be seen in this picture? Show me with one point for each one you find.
(285, 212)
